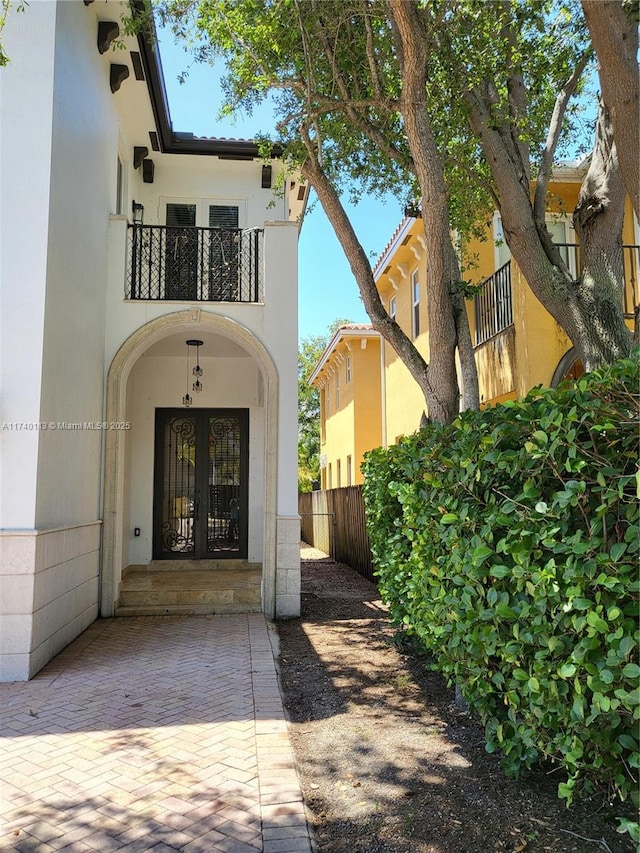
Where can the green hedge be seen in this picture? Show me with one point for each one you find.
(508, 544)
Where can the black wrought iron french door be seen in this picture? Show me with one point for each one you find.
(200, 484)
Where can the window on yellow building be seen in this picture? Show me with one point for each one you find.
(564, 237)
(392, 308)
(337, 392)
(323, 414)
(415, 301)
(339, 473)
(329, 477)
(501, 250)
(348, 369)
(349, 475)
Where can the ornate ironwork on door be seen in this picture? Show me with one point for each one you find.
(201, 484)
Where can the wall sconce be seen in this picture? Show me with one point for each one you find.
(197, 386)
(138, 213)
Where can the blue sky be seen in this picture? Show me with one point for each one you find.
(327, 289)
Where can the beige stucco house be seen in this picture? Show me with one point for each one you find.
(133, 255)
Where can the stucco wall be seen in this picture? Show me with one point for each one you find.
(25, 161)
(368, 403)
(84, 149)
(58, 184)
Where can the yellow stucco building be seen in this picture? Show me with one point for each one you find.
(349, 378)
(517, 343)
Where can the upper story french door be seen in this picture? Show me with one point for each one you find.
(202, 264)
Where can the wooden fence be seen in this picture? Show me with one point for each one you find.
(334, 522)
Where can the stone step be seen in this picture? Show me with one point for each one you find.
(186, 609)
(197, 566)
(144, 591)
(189, 596)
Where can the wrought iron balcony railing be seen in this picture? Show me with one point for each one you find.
(194, 264)
(630, 256)
(494, 303)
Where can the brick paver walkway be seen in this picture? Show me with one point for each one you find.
(152, 733)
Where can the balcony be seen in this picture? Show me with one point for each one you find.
(192, 264)
(494, 303)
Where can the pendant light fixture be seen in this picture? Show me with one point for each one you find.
(187, 400)
(197, 370)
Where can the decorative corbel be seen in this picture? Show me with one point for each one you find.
(117, 75)
(139, 153)
(108, 31)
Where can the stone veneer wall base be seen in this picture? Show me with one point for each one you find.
(48, 594)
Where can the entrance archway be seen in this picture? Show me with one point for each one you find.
(191, 322)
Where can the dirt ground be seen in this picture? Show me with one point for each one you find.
(388, 763)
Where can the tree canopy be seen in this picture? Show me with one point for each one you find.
(460, 105)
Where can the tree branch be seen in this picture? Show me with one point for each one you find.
(517, 95)
(553, 135)
(373, 66)
(312, 171)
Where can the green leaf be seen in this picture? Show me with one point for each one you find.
(565, 791)
(577, 710)
(596, 622)
(540, 437)
(618, 550)
(500, 571)
(631, 670)
(481, 553)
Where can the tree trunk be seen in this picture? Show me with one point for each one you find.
(444, 305)
(361, 269)
(614, 36)
(598, 221)
(468, 367)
